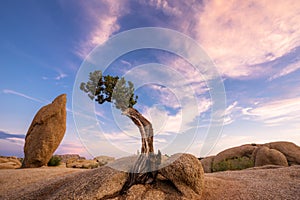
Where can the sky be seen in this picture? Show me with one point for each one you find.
(47, 46)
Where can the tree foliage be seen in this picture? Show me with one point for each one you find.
(110, 89)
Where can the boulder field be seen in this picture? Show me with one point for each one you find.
(253, 155)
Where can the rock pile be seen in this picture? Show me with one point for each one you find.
(103, 160)
(253, 155)
(82, 163)
(76, 161)
(65, 157)
(10, 162)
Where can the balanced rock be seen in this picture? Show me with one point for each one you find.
(266, 156)
(10, 162)
(186, 173)
(45, 133)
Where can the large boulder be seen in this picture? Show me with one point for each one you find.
(45, 133)
(141, 192)
(266, 156)
(207, 163)
(99, 183)
(10, 162)
(290, 150)
(186, 173)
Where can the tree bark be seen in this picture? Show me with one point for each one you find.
(145, 168)
(145, 128)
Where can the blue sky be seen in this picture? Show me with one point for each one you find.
(255, 46)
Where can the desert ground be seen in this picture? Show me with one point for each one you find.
(268, 182)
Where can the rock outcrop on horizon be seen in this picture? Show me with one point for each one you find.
(207, 163)
(103, 160)
(66, 157)
(45, 133)
(289, 149)
(82, 163)
(9, 162)
(253, 155)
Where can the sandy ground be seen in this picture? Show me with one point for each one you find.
(20, 181)
(280, 183)
(263, 184)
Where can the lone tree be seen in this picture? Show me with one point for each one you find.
(120, 92)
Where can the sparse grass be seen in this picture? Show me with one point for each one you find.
(237, 163)
(54, 161)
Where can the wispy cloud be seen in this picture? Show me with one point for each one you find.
(279, 112)
(60, 76)
(7, 91)
(229, 116)
(285, 71)
(164, 5)
(103, 17)
(4, 135)
(16, 139)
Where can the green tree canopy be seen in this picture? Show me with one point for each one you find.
(110, 89)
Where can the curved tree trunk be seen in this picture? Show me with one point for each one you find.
(145, 168)
(145, 128)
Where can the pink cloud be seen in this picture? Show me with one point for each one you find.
(238, 35)
(103, 16)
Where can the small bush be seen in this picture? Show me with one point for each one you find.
(54, 161)
(237, 163)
